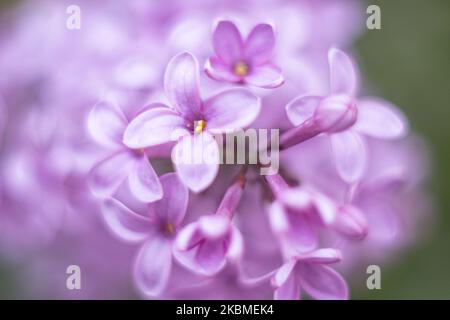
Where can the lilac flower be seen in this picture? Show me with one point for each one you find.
(107, 124)
(192, 121)
(244, 61)
(205, 246)
(155, 231)
(310, 273)
(296, 214)
(344, 118)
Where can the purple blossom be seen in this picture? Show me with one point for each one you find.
(205, 246)
(311, 274)
(192, 121)
(107, 124)
(155, 232)
(247, 60)
(344, 118)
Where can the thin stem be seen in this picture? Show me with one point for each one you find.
(299, 134)
(276, 183)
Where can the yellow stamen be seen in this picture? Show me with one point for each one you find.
(241, 68)
(199, 126)
(169, 228)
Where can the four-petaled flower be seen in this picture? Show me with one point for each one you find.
(310, 273)
(204, 246)
(156, 231)
(244, 61)
(192, 121)
(345, 118)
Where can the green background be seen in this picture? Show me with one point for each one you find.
(408, 61)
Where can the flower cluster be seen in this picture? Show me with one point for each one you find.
(98, 121)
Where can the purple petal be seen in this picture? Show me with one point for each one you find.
(283, 273)
(278, 218)
(181, 83)
(350, 155)
(106, 123)
(172, 207)
(153, 266)
(265, 76)
(285, 282)
(143, 181)
(302, 108)
(236, 244)
(351, 223)
(380, 119)
(322, 256)
(105, 177)
(218, 70)
(325, 207)
(231, 110)
(153, 127)
(188, 237)
(259, 45)
(214, 226)
(227, 42)
(124, 223)
(342, 73)
(322, 282)
(302, 235)
(211, 256)
(196, 159)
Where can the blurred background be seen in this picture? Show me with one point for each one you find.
(406, 62)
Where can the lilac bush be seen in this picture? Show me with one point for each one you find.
(95, 124)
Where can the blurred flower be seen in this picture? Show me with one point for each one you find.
(156, 231)
(310, 273)
(344, 118)
(107, 124)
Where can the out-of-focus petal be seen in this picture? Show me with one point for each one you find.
(342, 73)
(227, 42)
(172, 207)
(285, 282)
(380, 119)
(211, 256)
(236, 245)
(278, 218)
(124, 223)
(153, 127)
(214, 226)
(218, 70)
(231, 110)
(302, 235)
(259, 45)
(181, 83)
(196, 159)
(153, 266)
(283, 273)
(351, 223)
(350, 155)
(143, 181)
(106, 123)
(322, 282)
(302, 108)
(322, 256)
(265, 76)
(105, 178)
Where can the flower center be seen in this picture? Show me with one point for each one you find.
(199, 126)
(170, 229)
(240, 68)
